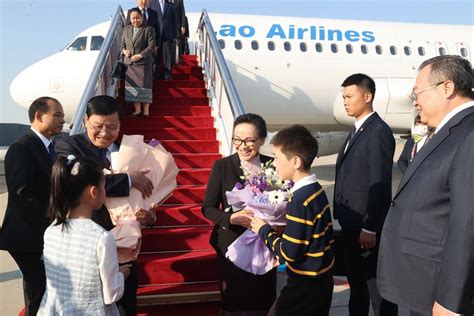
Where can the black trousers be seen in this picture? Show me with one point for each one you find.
(127, 305)
(361, 265)
(34, 279)
(305, 296)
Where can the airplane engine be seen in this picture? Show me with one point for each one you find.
(330, 143)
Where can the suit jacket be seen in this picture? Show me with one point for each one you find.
(363, 186)
(180, 15)
(405, 156)
(116, 185)
(27, 174)
(225, 173)
(427, 245)
(143, 43)
(168, 19)
(152, 20)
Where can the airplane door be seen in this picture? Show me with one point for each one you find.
(382, 96)
(400, 110)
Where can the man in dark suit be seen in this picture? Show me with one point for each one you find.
(27, 171)
(169, 32)
(151, 19)
(181, 26)
(102, 123)
(362, 192)
(426, 261)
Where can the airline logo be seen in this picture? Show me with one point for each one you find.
(278, 31)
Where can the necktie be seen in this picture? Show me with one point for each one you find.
(352, 133)
(429, 137)
(162, 5)
(145, 20)
(105, 160)
(52, 152)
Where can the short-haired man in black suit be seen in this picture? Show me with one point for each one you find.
(426, 261)
(362, 193)
(27, 173)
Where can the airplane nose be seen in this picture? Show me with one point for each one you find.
(22, 89)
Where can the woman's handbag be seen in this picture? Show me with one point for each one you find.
(119, 70)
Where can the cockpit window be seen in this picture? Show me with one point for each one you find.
(79, 44)
(96, 42)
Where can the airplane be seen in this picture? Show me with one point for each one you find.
(288, 69)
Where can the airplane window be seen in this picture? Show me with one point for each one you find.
(442, 51)
(334, 48)
(349, 49)
(463, 52)
(271, 45)
(222, 43)
(363, 49)
(79, 44)
(407, 50)
(96, 42)
(303, 47)
(287, 46)
(238, 44)
(378, 49)
(319, 47)
(421, 51)
(393, 50)
(254, 45)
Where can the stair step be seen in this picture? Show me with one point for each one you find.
(173, 293)
(176, 239)
(181, 267)
(196, 110)
(170, 133)
(187, 69)
(208, 307)
(181, 215)
(195, 160)
(169, 121)
(161, 101)
(191, 146)
(187, 194)
(158, 84)
(180, 92)
(194, 76)
(193, 176)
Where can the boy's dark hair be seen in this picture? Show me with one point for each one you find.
(39, 105)
(103, 105)
(362, 81)
(296, 140)
(254, 119)
(69, 178)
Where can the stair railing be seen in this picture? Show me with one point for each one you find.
(100, 81)
(225, 100)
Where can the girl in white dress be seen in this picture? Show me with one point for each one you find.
(80, 257)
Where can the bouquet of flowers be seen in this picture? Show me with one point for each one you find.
(130, 213)
(267, 196)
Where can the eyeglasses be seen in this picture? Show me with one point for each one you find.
(103, 128)
(247, 142)
(414, 95)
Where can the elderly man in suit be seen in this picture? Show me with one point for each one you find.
(27, 171)
(169, 32)
(102, 122)
(362, 193)
(426, 261)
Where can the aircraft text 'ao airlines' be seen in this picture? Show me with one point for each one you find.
(301, 33)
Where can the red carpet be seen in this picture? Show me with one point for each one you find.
(178, 269)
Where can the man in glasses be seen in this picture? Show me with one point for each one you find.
(426, 259)
(102, 123)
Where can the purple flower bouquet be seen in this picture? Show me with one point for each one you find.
(267, 196)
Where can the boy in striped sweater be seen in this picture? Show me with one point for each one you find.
(306, 245)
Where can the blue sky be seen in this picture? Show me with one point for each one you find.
(34, 29)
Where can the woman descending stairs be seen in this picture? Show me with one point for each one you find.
(178, 270)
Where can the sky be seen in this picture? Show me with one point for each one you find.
(31, 30)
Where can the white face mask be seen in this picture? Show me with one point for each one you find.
(420, 130)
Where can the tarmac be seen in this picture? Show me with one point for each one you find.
(11, 291)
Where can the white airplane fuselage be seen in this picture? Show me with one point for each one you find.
(298, 81)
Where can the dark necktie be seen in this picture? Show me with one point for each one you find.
(429, 137)
(352, 133)
(52, 152)
(145, 20)
(105, 160)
